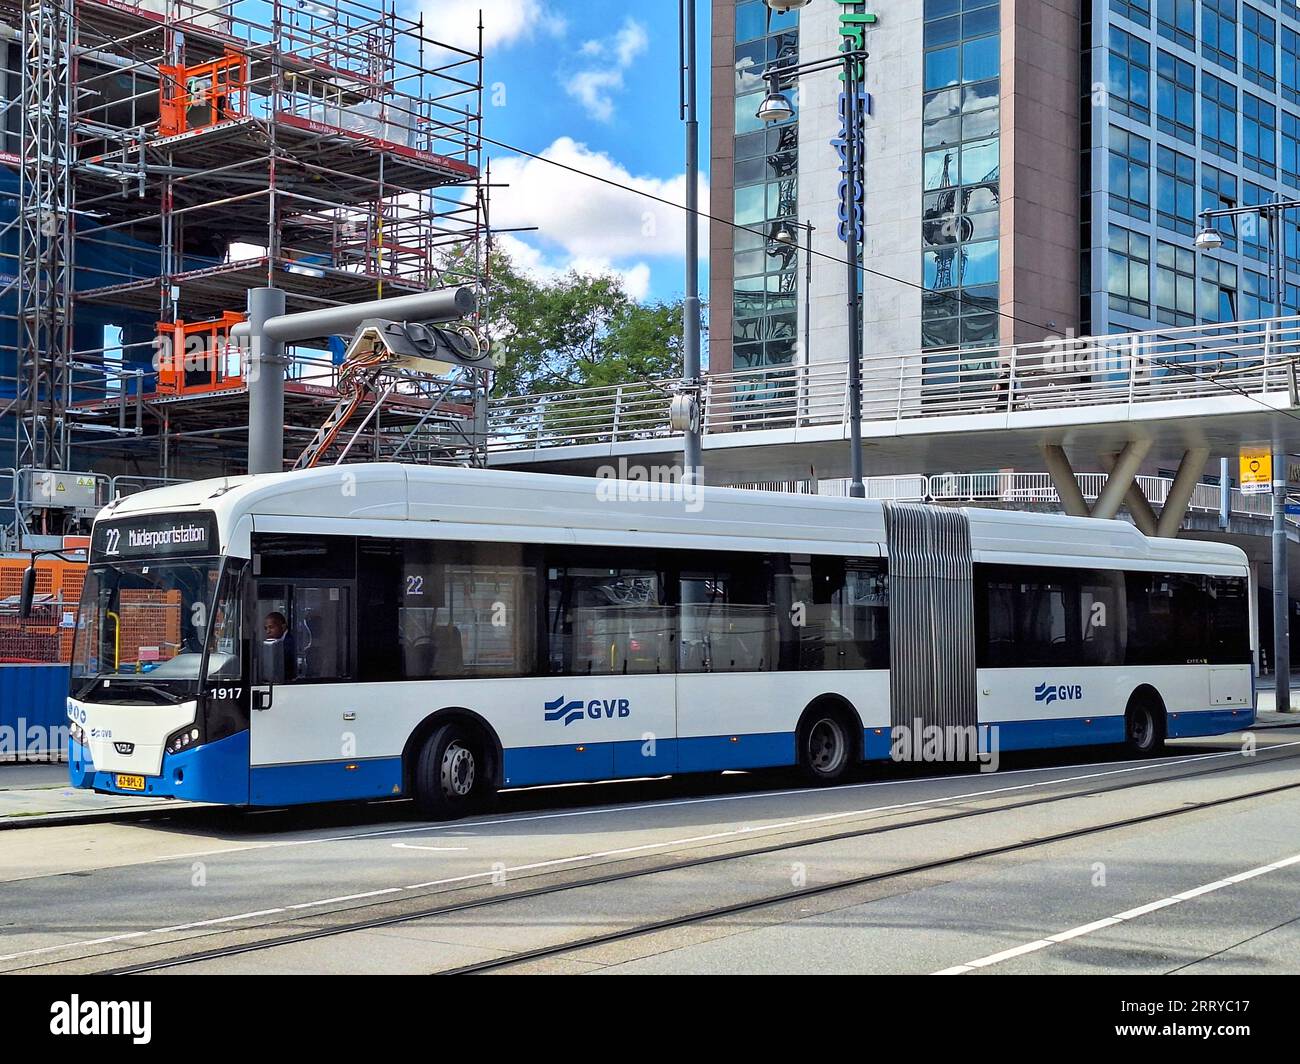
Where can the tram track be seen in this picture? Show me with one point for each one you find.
(803, 894)
(552, 888)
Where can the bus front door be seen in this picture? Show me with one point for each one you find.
(310, 729)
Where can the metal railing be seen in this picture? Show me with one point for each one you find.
(1254, 358)
(1021, 489)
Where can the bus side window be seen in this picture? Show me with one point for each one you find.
(322, 630)
(272, 637)
(305, 633)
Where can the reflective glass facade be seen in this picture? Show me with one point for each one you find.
(960, 138)
(765, 172)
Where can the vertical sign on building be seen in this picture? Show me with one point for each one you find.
(854, 20)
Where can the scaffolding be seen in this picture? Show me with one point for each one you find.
(172, 154)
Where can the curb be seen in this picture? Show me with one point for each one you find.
(48, 820)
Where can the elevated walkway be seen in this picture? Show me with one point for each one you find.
(1179, 397)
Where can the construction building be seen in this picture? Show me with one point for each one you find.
(162, 157)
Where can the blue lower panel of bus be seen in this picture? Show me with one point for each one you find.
(1209, 722)
(1042, 734)
(326, 781)
(214, 772)
(710, 753)
(531, 765)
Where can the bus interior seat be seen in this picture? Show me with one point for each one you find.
(448, 651)
(419, 657)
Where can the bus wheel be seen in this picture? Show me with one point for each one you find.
(1144, 728)
(450, 778)
(825, 749)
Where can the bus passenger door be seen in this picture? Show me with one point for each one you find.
(309, 726)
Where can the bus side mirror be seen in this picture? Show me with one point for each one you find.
(28, 592)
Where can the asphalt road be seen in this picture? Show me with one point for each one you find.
(101, 896)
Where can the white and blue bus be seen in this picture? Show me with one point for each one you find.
(369, 631)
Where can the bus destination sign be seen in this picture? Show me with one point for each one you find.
(155, 536)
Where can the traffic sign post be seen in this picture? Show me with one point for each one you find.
(1281, 591)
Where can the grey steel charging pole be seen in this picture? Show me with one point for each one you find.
(265, 374)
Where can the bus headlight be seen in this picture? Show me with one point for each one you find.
(182, 740)
(77, 733)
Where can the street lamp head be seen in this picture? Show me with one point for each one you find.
(782, 6)
(1209, 239)
(784, 235)
(775, 107)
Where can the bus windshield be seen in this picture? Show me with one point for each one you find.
(143, 626)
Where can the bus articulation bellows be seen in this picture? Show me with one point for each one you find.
(381, 630)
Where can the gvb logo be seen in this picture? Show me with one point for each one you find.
(1047, 693)
(570, 710)
(564, 710)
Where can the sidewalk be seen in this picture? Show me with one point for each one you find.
(1264, 689)
(42, 791)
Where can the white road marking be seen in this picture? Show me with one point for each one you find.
(667, 844)
(431, 849)
(347, 897)
(1118, 918)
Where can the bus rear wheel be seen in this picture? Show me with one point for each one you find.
(1144, 728)
(825, 747)
(450, 774)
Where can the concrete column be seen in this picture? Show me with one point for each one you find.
(1180, 491)
(1064, 480)
(1121, 479)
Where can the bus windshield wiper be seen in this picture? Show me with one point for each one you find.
(128, 687)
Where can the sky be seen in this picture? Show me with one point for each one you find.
(593, 85)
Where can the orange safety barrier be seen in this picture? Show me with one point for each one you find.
(197, 357)
(47, 635)
(196, 97)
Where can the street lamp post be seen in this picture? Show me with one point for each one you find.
(692, 441)
(1209, 239)
(776, 107)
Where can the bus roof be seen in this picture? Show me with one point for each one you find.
(505, 500)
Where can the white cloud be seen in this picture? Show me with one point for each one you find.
(505, 22)
(594, 86)
(535, 264)
(590, 220)
(630, 42)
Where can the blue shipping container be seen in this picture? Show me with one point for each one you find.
(33, 712)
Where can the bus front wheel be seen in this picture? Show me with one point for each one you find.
(825, 748)
(451, 774)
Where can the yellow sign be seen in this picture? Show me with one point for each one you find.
(1256, 471)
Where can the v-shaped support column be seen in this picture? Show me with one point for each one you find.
(1121, 483)
(1123, 477)
(1139, 506)
(1065, 482)
(1180, 491)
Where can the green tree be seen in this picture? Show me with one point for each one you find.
(576, 332)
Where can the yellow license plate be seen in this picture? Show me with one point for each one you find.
(130, 783)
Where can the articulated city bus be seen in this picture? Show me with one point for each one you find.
(380, 630)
